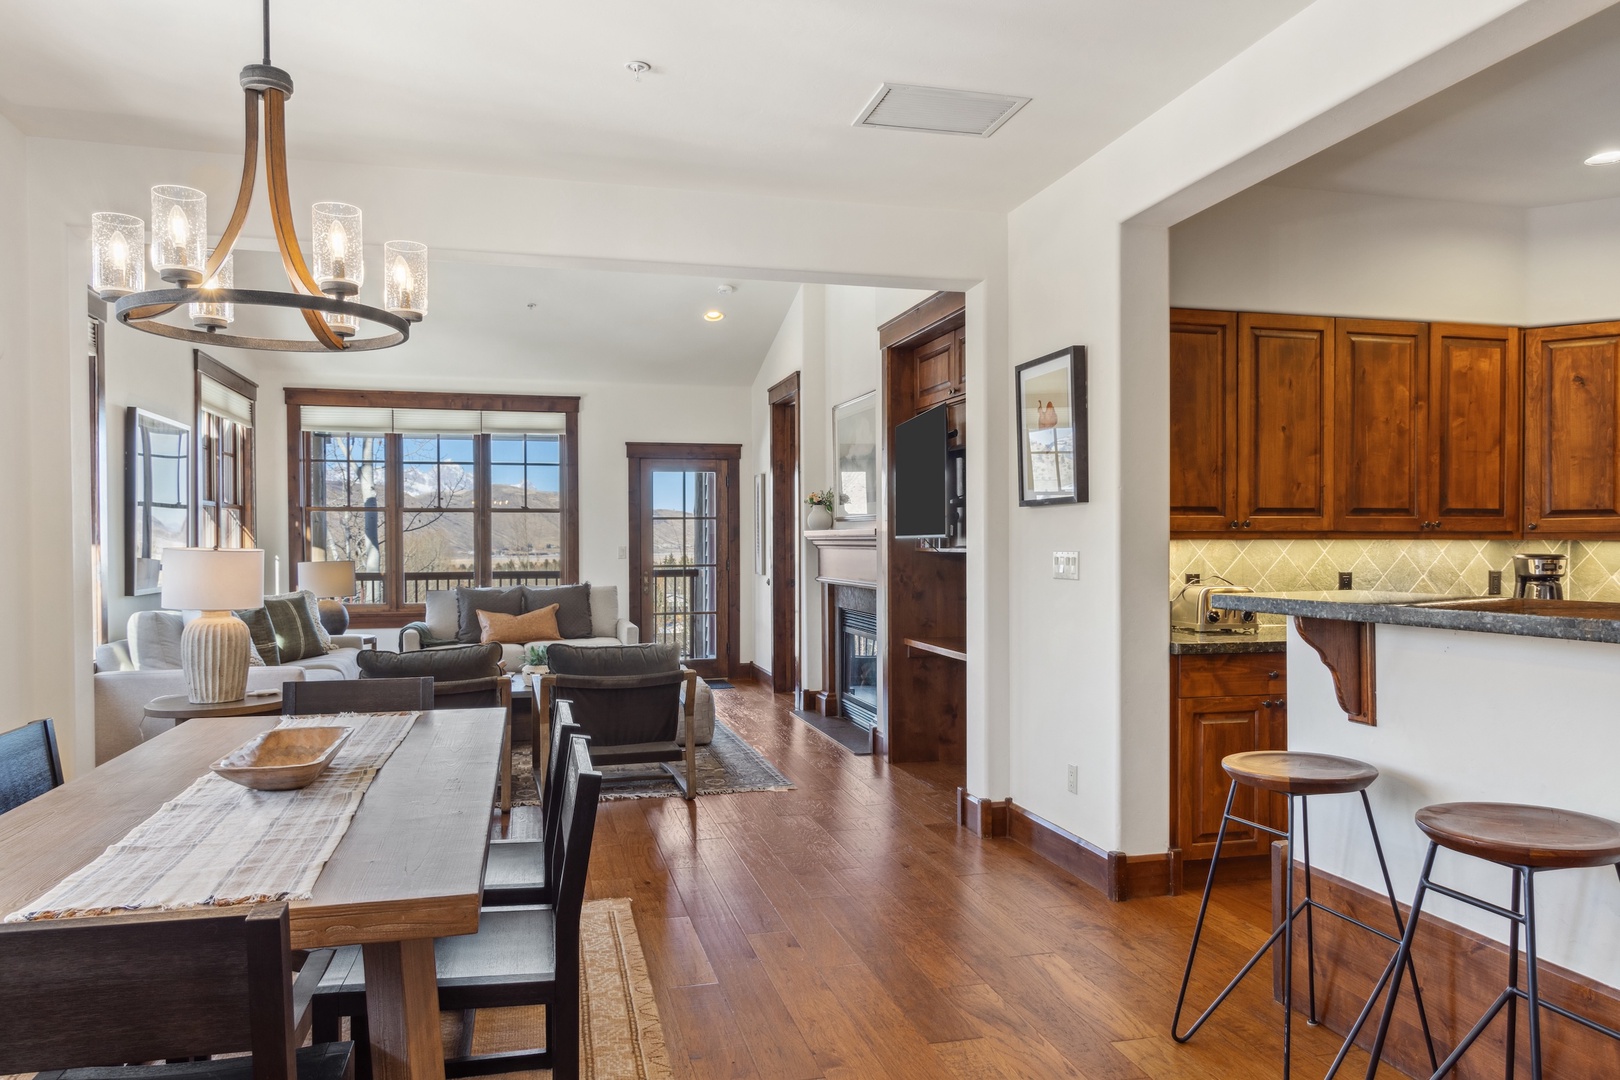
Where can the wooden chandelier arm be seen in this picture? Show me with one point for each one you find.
(275, 174)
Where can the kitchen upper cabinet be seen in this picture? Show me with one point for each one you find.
(1381, 381)
(1284, 423)
(939, 370)
(1203, 421)
(1474, 420)
(1571, 428)
(1220, 705)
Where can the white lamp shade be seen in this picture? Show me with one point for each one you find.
(213, 579)
(327, 578)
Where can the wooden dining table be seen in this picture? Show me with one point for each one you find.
(409, 869)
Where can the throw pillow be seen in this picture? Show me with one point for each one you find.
(444, 665)
(296, 624)
(469, 602)
(519, 629)
(264, 635)
(605, 610)
(573, 607)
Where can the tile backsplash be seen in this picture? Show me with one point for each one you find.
(1456, 567)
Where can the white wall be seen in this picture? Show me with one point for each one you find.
(1573, 276)
(785, 356)
(1281, 249)
(16, 639)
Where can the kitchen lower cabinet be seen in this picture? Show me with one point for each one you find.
(1223, 704)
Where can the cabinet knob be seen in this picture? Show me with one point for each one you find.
(1268, 703)
(1531, 526)
(1246, 524)
(1233, 525)
(1273, 674)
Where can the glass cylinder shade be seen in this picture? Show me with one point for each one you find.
(344, 326)
(340, 266)
(117, 255)
(179, 233)
(209, 316)
(405, 279)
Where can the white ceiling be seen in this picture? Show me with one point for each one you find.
(587, 326)
(743, 95)
(1514, 135)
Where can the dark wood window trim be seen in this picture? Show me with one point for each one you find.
(395, 613)
(209, 465)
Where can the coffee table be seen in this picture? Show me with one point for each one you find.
(179, 708)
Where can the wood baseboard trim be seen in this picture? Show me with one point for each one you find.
(1113, 873)
(1461, 973)
(981, 816)
(753, 671)
(880, 742)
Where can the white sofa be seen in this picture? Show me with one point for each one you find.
(146, 665)
(442, 619)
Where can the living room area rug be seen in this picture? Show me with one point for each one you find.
(621, 1036)
(727, 766)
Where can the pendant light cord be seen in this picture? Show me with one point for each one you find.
(266, 33)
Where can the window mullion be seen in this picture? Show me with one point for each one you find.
(394, 520)
(483, 525)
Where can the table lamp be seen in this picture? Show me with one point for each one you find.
(214, 646)
(332, 582)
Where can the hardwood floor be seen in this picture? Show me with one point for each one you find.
(849, 929)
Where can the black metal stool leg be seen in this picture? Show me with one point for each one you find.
(1532, 991)
(1198, 929)
(1310, 922)
(1397, 966)
(1288, 949)
(1400, 928)
(1513, 976)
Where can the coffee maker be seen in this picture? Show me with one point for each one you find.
(1539, 577)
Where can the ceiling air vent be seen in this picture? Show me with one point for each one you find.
(944, 112)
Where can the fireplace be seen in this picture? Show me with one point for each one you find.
(857, 665)
(851, 656)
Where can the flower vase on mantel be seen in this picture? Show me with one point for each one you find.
(819, 516)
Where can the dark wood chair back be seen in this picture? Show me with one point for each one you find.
(563, 731)
(29, 763)
(106, 991)
(356, 695)
(576, 825)
(628, 699)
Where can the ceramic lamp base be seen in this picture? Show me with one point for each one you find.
(214, 656)
(334, 616)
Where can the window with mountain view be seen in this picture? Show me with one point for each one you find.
(425, 497)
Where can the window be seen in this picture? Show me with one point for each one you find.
(431, 491)
(224, 483)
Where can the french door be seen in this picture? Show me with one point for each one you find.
(683, 536)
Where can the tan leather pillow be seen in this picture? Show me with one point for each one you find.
(538, 625)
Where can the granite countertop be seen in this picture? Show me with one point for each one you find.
(1572, 620)
(1270, 639)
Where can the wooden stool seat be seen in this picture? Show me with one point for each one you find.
(1515, 835)
(1293, 773)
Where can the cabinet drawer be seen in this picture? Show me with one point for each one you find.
(1232, 675)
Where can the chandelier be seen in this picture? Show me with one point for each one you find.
(203, 280)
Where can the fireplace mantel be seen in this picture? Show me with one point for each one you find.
(847, 556)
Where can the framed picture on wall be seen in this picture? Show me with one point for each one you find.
(759, 524)
(157, 496)
(855, 436)
(1053, 466)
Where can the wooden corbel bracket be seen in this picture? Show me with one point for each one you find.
(1347, 650)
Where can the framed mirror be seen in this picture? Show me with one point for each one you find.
(855, 432)
(157, 496)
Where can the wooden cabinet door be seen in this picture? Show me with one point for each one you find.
(1475, 417)
(938, 367)
(1571, 428)
(1381, 376)
(1207, 730)
(1285, 422)
(1203, 421)
(959, 363)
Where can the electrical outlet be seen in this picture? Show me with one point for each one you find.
(1344, 579)
(1066, 565)
(1194, 578)
(1493, 583)
(1074, 779)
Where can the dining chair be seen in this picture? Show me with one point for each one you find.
(630, 700)
(356, 695)
(517, 870)
(81, 996)
(29, 763)
(519, 956)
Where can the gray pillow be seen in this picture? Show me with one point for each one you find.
(595, 660)
(264, 634)
(444, 665)
(573, 606)
(297, 626)
(469, 602)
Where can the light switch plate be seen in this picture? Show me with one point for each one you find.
(624, 553)
(1074, 779)
(1066, 565)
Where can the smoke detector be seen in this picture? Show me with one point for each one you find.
(937, 110)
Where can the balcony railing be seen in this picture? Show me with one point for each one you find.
(682, 616)
(417, 586)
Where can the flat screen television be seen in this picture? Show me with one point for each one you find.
(922, 507)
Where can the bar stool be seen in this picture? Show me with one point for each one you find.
(1298, 776)
(1526, 840)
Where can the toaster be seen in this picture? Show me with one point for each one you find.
(1190, 610)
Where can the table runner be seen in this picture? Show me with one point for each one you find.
(219, 843)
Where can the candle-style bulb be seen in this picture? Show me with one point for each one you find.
(178, 230)
(334, 236)
(118, 256)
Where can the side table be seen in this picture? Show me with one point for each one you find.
(179, 708)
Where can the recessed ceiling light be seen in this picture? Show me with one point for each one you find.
(1607, 157)
(714, 315)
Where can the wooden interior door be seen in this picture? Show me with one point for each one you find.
(1285, 422)
(1381, 376)
(1203, 421)
(1571, 428)
(684, 531)
(1475, 420)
